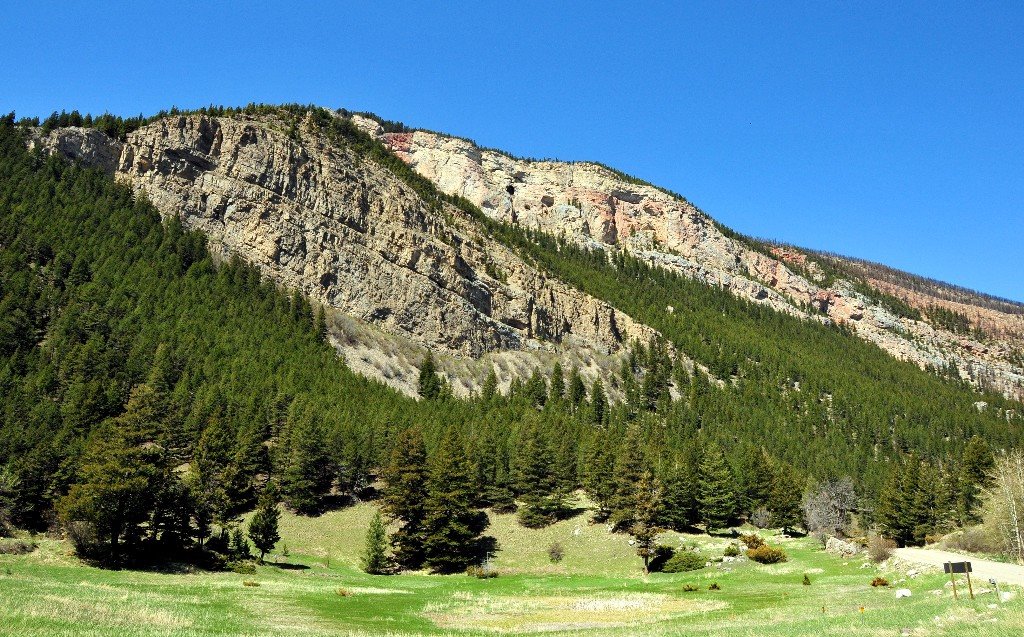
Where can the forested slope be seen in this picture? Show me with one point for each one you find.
(119, 329)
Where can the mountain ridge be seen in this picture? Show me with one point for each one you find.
(598, 207)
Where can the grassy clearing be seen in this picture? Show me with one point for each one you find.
(597, 589)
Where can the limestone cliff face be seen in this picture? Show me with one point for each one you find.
(592, 204)
(350, 235)
(353, 237)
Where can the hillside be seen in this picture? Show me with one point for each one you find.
(198, 331)
(283, 194)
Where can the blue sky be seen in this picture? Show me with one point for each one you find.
(889, 131)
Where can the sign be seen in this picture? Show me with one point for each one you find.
(957, 567)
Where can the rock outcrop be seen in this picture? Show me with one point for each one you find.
(350, 235)
(591, 204)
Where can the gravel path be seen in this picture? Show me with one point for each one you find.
(981, 570)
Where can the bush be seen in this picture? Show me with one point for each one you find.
(765, 554)
(684, 561)
(17, 547)
(556, 552)
(480, 572)
(752, 540)
(731, 551)
(662, 554)
(880, 548)
(242, 568)
(879, 582)
(972, 540)
(83, 538)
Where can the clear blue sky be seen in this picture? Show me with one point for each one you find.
(891, 131)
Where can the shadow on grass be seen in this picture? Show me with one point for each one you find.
(287, 566)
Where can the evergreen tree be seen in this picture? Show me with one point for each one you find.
(404, 496)
(784, 499)
(120, 478)
(577, 392)
(430, 386)
(645, 517)
(307, 475)
(599, 477)
(375, 559)
(716, 500)
(453, 526)
(598, 403)
(556, 391)
(490, 386)
(263, 525)
(630, 465)
(679, 510)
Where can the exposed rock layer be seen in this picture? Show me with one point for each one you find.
(350, 235)
(592, 204)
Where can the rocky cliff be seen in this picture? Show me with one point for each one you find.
(593, 204)
(352, 237)
(400, 275)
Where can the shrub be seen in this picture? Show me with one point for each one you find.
(879, 582)
(690, 588)
(714, 587)
(16, 547)
(684, 561)
(82, 536)
(972, 540)
(880, 548)
(662, 554)
(752, 540)
(731, 551)
(242, 568)
(556, 552)
(807, 580)
(765, 554)
(480, 572)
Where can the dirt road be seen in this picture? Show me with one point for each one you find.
(982, 570)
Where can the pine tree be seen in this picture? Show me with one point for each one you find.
(679, 509)
(598, 403)
(263, 525)
(645, 517)
(716, 500)
(307, 476)
(375, 559)
(490, 386)
(630, 465)
(120, 479)
(556, 391)
(599, 476)
(784, 499)
(405, 495)
(452, 528)
(577, 392)
(430, 386)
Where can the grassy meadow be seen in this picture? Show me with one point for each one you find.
(597, 589)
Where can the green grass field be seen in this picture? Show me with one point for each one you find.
(598, 589)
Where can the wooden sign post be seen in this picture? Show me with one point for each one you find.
(959, 567)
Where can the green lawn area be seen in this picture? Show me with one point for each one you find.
(597, 589)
